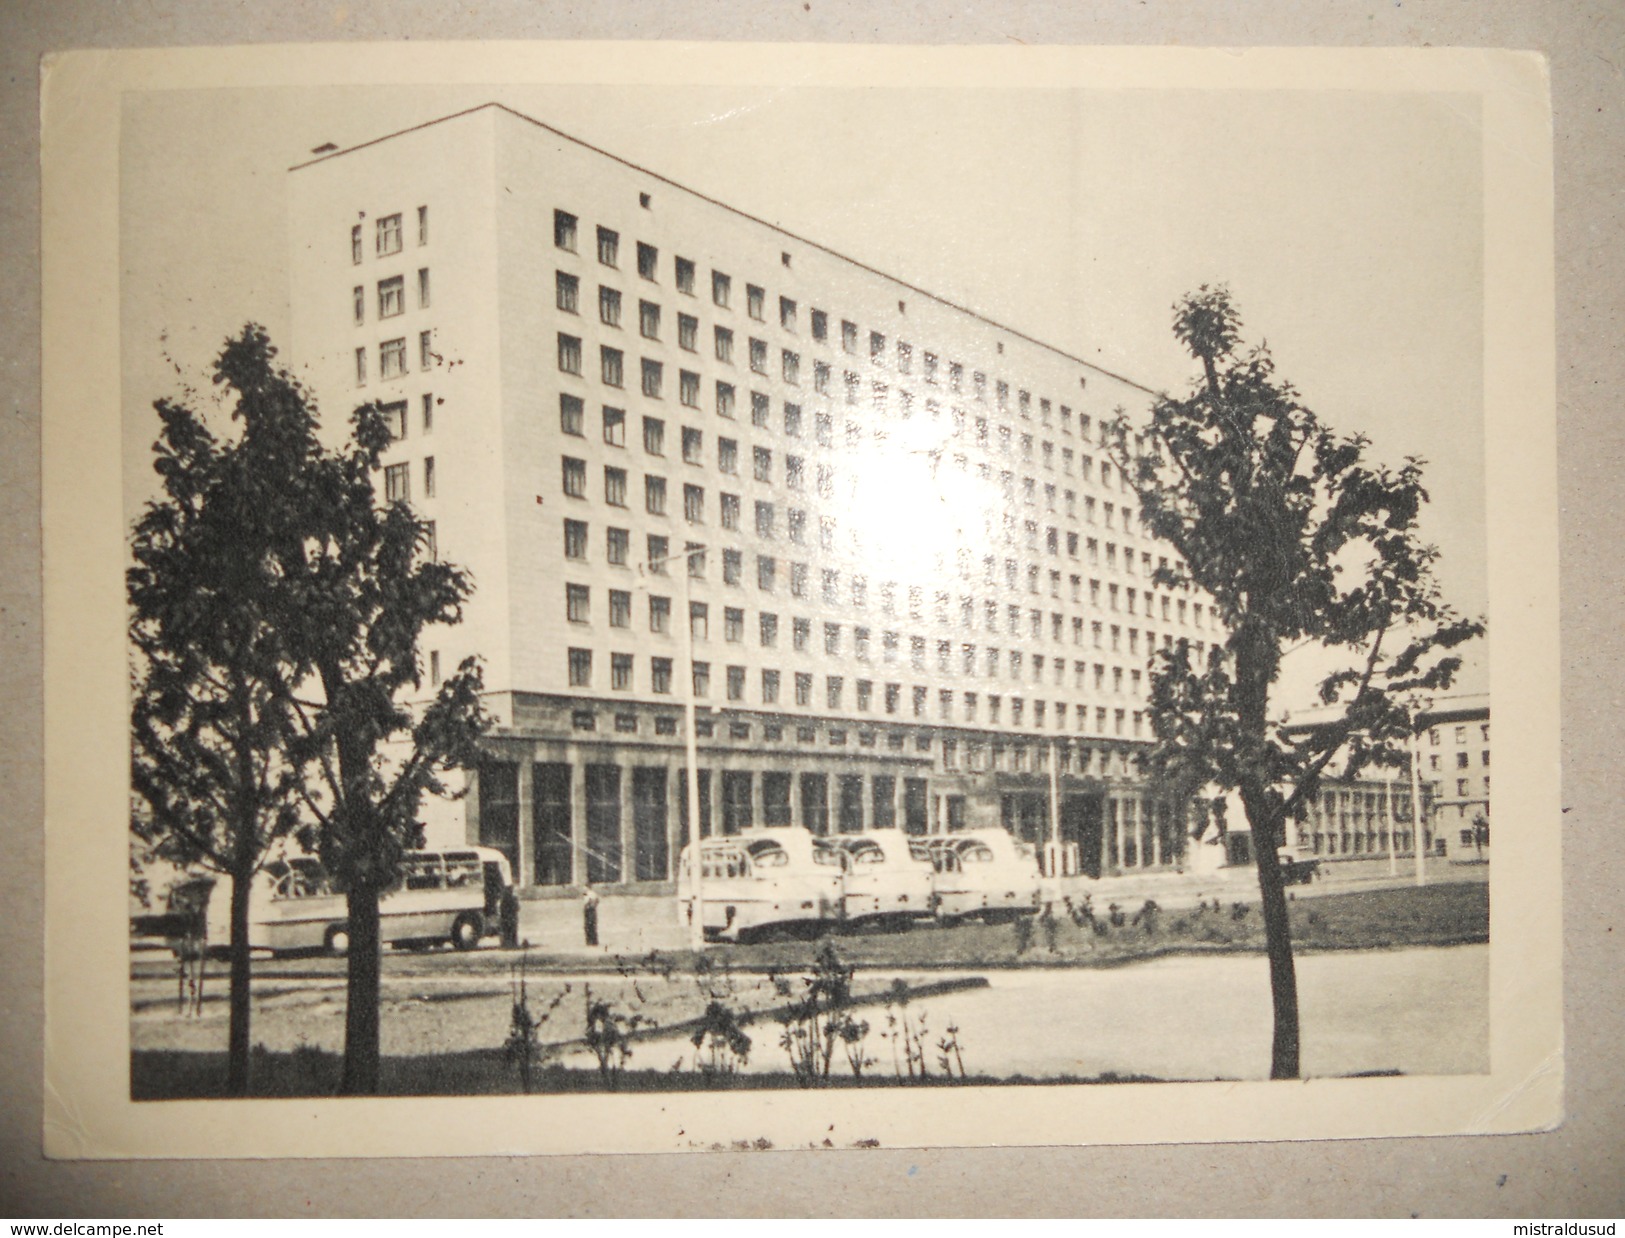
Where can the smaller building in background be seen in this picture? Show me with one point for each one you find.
(1455, 770)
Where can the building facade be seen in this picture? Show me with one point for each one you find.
(880, 538)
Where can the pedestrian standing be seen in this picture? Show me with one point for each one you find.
(589, 916)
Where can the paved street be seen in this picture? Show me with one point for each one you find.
(633, 924)
(1420, 1012)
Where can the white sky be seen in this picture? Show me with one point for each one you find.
(1347, 224)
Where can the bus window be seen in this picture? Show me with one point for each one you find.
(769, 855)
(423, 872)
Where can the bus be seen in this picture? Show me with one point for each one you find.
(762, 879)
(887, 878)
(985, 873)
(458, 896)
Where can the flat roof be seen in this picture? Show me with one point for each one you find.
(801, 240)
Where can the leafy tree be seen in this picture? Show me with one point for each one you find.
(277, 610)
(372, 584)
(213, 670)
(1297, 539)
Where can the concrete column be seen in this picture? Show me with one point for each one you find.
(675, 807)
(866, 807)
(1105, 828)
(897, 785)
(526, 842)
(1115, 808)
(797, 816)
(576, 756)
(1159, 813)
(758, 815)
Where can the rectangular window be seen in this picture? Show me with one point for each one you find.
(575, 477)
(694, 504)
(580, 668)
(428, 475)
(764, 519)
(693, 445)
(685, 276)
(762, 463)
(614, 486)
(569, 354)
(577, 603)
(804, 688)
(821, 377)
(648, 261)
(732, 567)
(758, 356)
(755, 302)
(575, 535)
(423, 225)
(768, 629)
(820, 325)
(425, 349)
(877, 347)
(659, 615)
(355, 245)
(730, 511)
(609, 246)
(609, 306)
(392, 358)
(736, 686)
(359, 304)
(649, 320)
(770, 687)
(620, 608)
(688, 388)
(727, 455)
(423, 287)
(654, 495)
(566, 292)
(849, 336)
(611, 366)
(395, 418)
(617, 545)
(397, 483)
(660, 676)
(653, 374)
(688, 332)
(766, 570)
(721, 289)
(389, 235)
(654, 436)
(620, 672)
(564, 230)
(702, 680)
(572, 415)
(790, 364)
(724, 340)
(614, 426)
(787, 313)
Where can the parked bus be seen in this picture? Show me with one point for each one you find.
(984, 873)
(886, 877)
(761, 879)
(460, 896)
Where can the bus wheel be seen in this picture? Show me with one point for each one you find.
(337, 940)
(465, 932)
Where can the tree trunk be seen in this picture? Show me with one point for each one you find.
(361, 1002)
(237, 1046)
(1257, 661)
(1277, 938)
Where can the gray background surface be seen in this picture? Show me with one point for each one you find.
(1577, 1170)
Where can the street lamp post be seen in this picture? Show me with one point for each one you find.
(696, 868)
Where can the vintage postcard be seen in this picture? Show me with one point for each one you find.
(661, 597)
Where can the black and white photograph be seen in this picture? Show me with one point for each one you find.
(814, 599)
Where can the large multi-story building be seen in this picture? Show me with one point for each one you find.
(878, 536)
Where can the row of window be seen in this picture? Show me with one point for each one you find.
(398, 481)
(852, 589)
(612, 366)
(867, 695)
(881, 352)
(392, 358)
(391, 297)
(387, 235)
